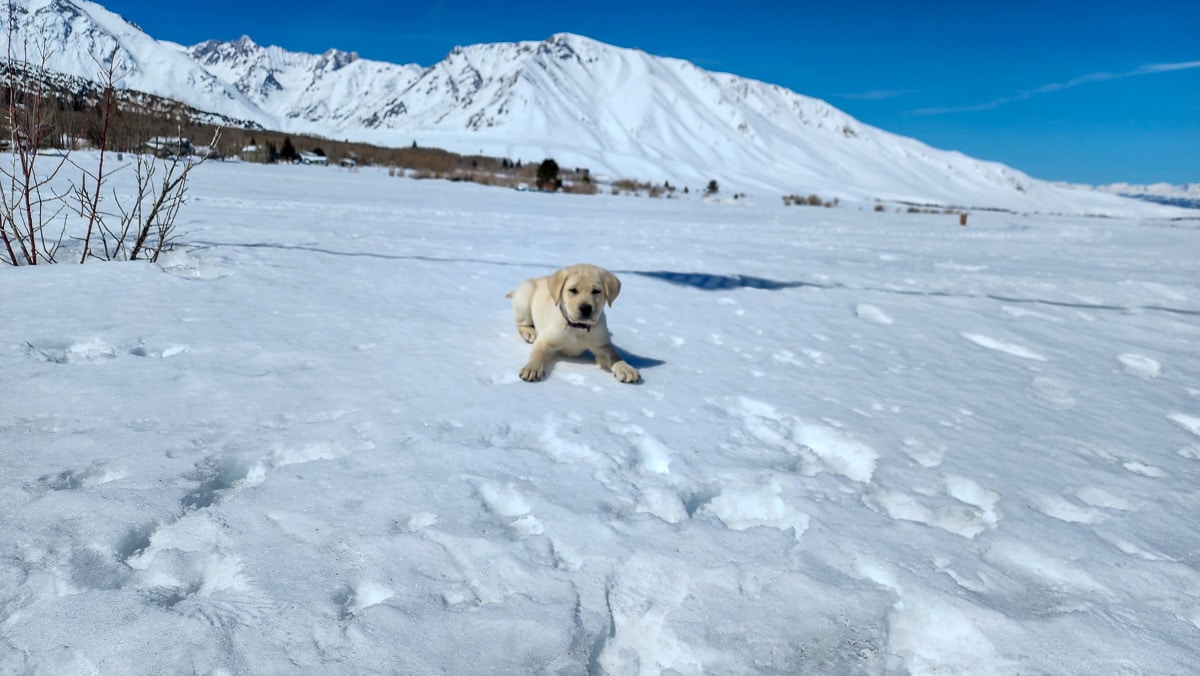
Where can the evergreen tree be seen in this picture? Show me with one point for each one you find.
(547, 174)
(288, 152)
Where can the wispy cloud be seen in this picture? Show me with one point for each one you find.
(877, 95)
(1149, 69)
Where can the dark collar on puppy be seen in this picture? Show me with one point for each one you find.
(574, 325)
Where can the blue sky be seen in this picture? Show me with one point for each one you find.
(1091, 92)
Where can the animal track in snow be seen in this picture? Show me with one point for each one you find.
(556, 444)
(837, 451)
(96, 474)
(219, 478)
(1001, 346)
(95, 350)
(642, 597)
(821, 448)
(652, 455)
(927, 632)
(970, 510)
(185, 565)
(504, 500)
(71, 351)
(664, 503)
(354, 600)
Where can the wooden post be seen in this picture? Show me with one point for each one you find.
(962, 219)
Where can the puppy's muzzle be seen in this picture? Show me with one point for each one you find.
(586, 324)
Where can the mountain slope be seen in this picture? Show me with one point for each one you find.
(74, 38)
(619, 112)
(307, 92)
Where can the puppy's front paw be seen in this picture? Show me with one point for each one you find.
(532, 372)
(528, 333)
(625, 373)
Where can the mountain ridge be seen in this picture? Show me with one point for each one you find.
(621, 112)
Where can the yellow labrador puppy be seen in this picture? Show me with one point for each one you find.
(563, 313)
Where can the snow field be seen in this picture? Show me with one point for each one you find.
(865, 443)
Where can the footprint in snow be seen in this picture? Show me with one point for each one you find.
(70, 351)
(821, 448)
(643, 597)
(353, 600)
(652, 456)
(94, 475)
(505, 501)
(965, 509)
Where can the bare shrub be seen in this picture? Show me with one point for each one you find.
(28, 203)
(581, 188)
(145, 222)
(811, 200)
(36, 217)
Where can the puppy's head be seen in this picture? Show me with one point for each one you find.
(581, 291)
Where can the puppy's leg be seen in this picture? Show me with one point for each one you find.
(521, 303)
(535, 369)
(609, 359)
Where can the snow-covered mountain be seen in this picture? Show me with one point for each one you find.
(620, 112)
(75, 38)
(308, 92)
(1186, 195)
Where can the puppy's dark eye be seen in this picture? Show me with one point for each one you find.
(595, 291)
(572, 291)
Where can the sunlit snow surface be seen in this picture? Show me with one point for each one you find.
(866, 443)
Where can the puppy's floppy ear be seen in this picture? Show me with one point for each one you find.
(612, 286)
(557, 281)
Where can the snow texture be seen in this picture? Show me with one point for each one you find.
(866, 443)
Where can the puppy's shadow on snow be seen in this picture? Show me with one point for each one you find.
(588, 359)
(710, 282)
(639, 362)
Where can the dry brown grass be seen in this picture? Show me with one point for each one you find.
(810, 201)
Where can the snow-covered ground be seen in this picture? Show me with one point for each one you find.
(866, 443)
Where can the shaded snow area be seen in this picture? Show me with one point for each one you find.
(865, 443)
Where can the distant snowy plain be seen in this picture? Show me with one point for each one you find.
(866, 443)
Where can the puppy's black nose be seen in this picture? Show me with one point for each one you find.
(585, 310)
